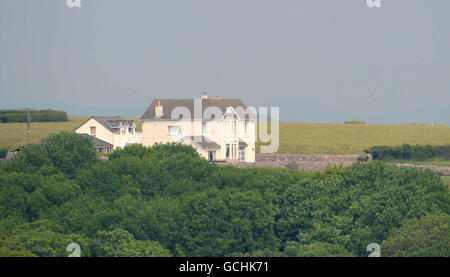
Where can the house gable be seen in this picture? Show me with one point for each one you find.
(100, 130)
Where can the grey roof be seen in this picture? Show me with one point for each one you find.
(113, 123)
(242, 143)
(202, 141)
(170, 104)
(98, 143)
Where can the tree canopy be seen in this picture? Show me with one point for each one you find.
(167, 201)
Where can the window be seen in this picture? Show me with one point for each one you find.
(227, 151)
(93, 131)
(174, 130)
(229, 128)
(204, 128)
(130, 130)
(245, 127)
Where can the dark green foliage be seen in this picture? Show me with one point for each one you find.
(3, 153)
(11, 253)
(30, 159)
(316, 249)
(64, 152)
(120, 243)
(409, 152)
(428, 236)
(69, 152)
(21, 116)
(167, 201)
(212, 223)
(42, 238)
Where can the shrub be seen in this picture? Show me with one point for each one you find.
(409, 152)
(3, 153)
(20, 116)
(354, 122)
(427, 236)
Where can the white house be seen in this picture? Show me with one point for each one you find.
(115, 131)
(218, 128)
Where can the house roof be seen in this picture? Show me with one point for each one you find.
(170, 104)
(242, 143)
(112, 123)
(97, 142)
(202, 141)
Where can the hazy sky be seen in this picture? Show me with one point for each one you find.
(318, 60)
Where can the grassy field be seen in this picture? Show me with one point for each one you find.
(324, 138)
(301, 138)
(13, 135)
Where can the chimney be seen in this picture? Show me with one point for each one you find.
(159, 109)
(204, 96)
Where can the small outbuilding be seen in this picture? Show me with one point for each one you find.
(99, 145)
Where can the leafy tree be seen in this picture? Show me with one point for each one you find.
(428, 236)
(29, 160)
(120, 243)
(316, 249)
(69, 152)
(42, 238)
(212, 223)
(11, 253)
(166, 200)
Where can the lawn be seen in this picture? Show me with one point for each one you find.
(325, 138)
(301, 138)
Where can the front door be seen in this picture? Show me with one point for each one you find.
(212, 155)
(241, 154)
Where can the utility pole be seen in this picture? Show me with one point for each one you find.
(28, 125)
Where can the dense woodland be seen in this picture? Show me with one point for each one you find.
(167, 201)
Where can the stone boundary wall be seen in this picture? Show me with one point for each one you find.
(320, 162)
(300, 162)
(437, 170)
